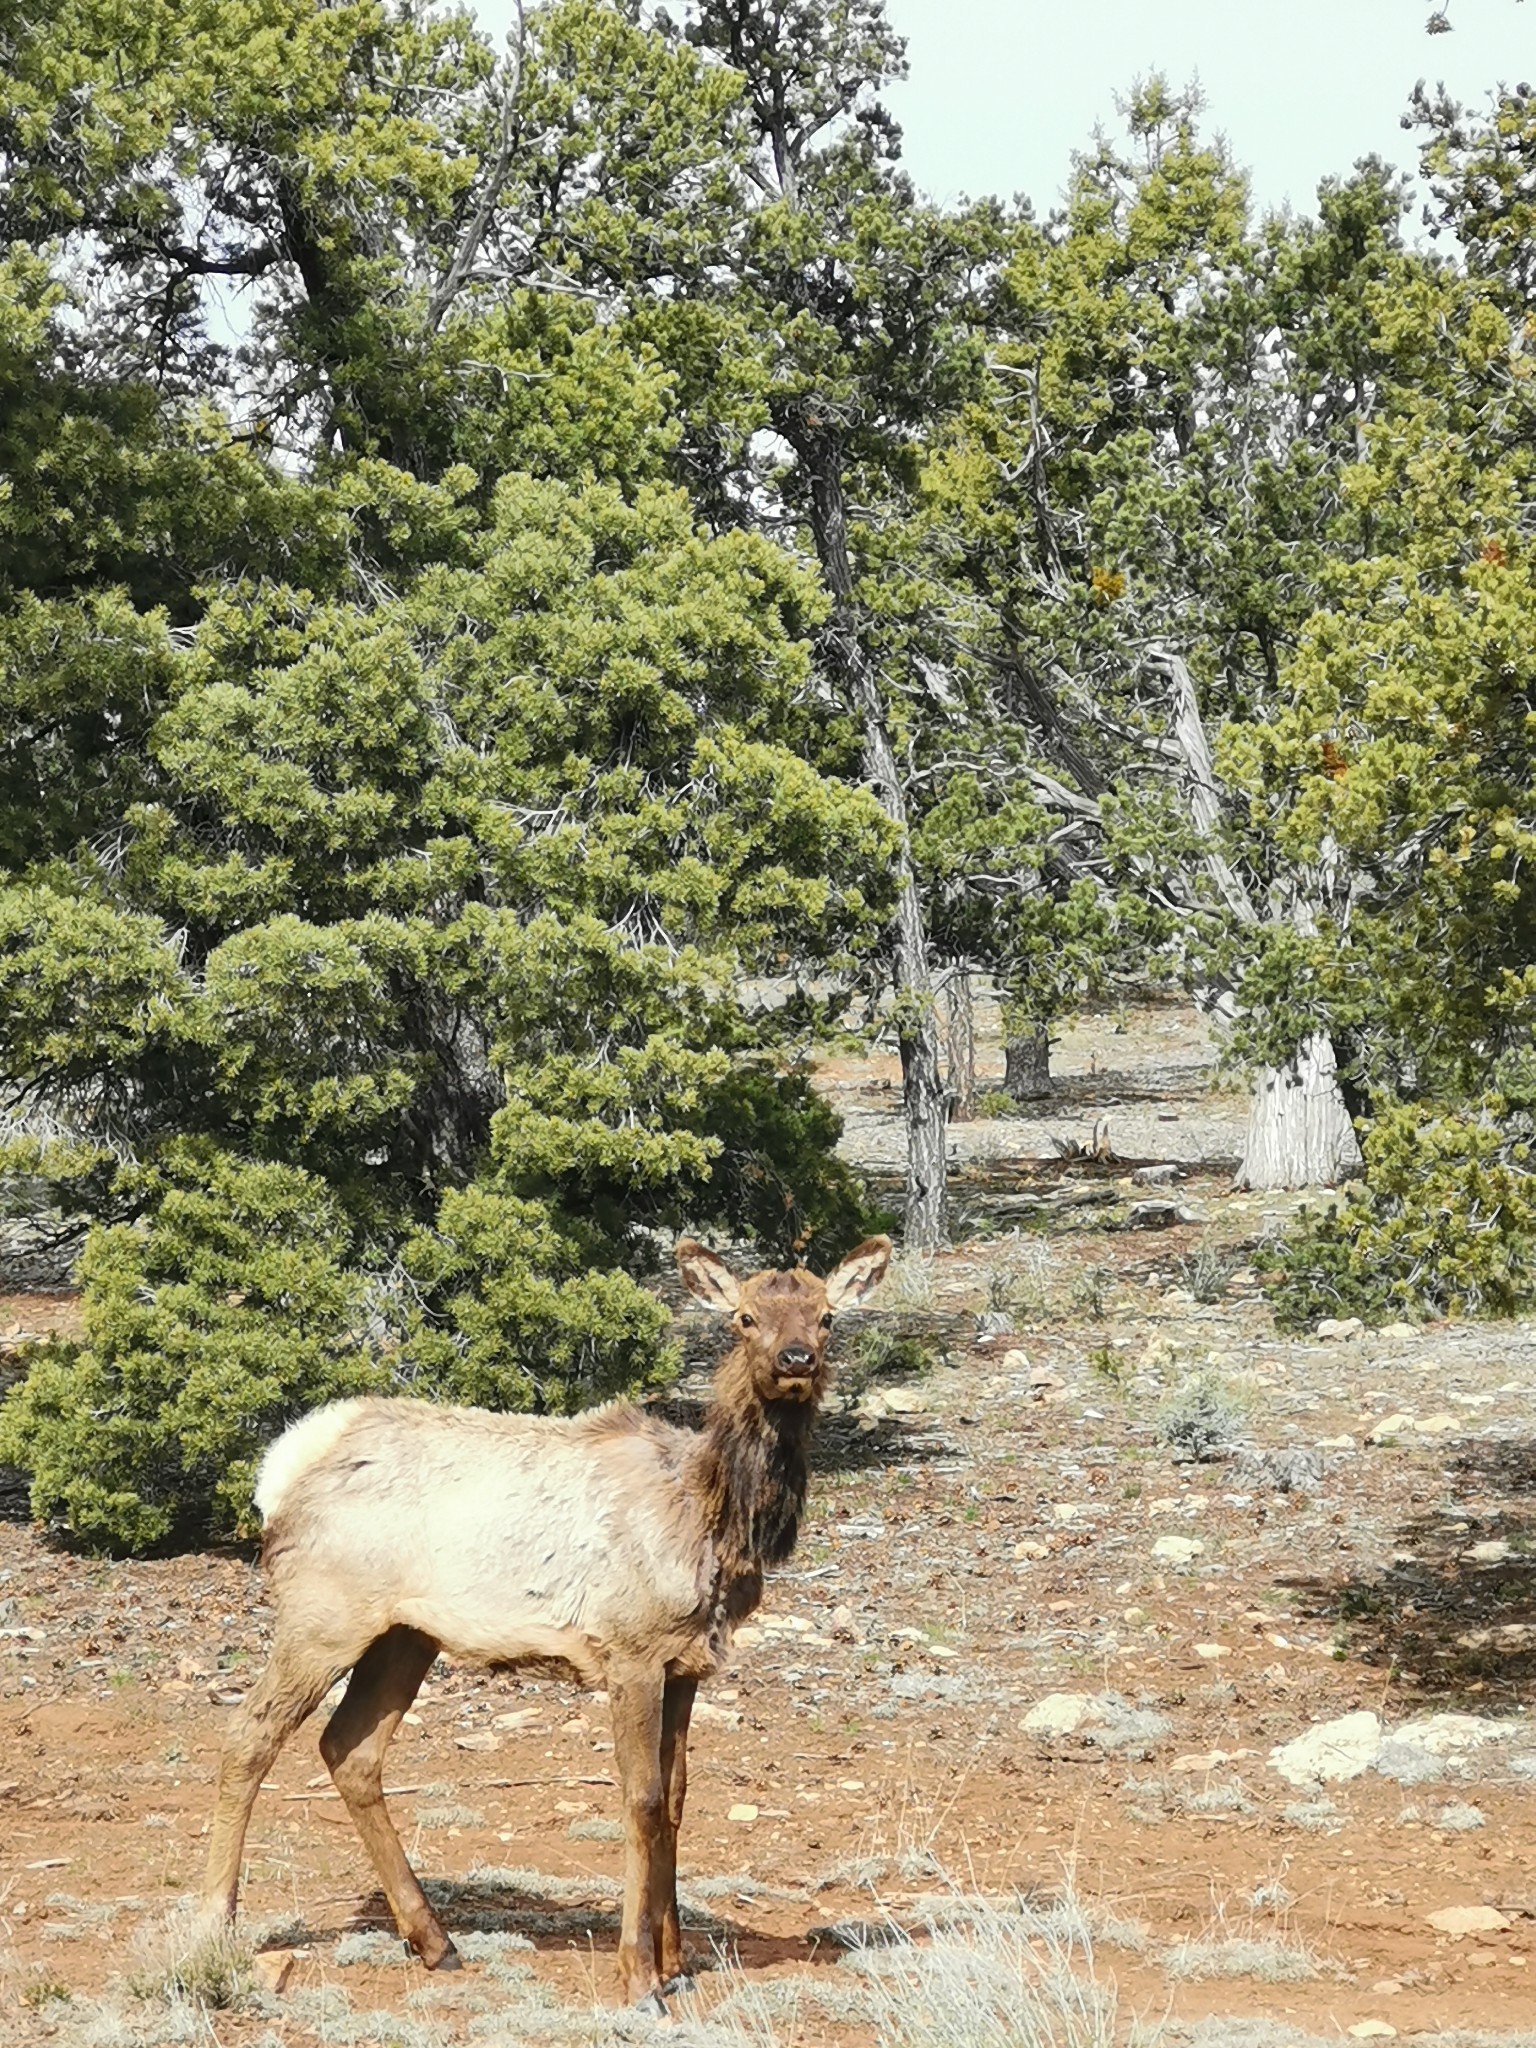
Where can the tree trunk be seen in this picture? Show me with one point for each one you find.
(1027, 1061)
(1299, 1133)
(925, 1224)
(960, 1034)
(1299, 1130)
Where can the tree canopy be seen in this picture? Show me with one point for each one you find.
(532, 579)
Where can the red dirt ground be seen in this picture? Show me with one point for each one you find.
(875, 1710)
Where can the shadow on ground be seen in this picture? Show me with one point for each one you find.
(1456, 1628)
(555, 1922)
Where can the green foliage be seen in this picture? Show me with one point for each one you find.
(1445, 1224)
(208, 1328)
(1202, 1418)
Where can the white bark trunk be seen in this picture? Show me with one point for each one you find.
(960, 1044)
(1299, 1132)
(1027, 1062)
(925, 1224)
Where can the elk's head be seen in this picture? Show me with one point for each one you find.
(782, 1320)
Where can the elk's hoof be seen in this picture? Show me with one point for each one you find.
(653, 2005)
(450, 1959)
(680, 1986)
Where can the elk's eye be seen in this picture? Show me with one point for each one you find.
(747, 1322)
(826, 1322)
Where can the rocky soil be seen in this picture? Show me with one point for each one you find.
(1251, 1726)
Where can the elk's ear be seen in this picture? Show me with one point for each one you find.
(707, 1278)
(859, 1274)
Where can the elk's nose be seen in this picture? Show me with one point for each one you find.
(795, 1357)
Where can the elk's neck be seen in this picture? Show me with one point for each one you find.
(752, 1472)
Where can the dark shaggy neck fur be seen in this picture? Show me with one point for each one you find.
(752, 1472)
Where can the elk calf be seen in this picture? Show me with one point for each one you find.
(610, 1546)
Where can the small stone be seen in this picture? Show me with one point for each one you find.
(1372, 2030)
(1435, 1425)
(1211, 1651)
(1135, 1617)
(1333, 1328)
(520, 1717)
(1450, 1734)
(844, 1627)
(905, 1401)
(1387, 1987)
(993, 1323)
(1015, 1361)
(1398, 1330)
(1162, 1176)
(1031, 1547)
(1390, 1426)
(1336, 1443)
(1177, 1549)
(747, 1635)
(723, 1717)
(1493, 1552)
(485, 1740)
(1059, 1713)
(1459, 1920)
(578, 1724)
(273, 1967)
(1331, 1752)
(742, 1813)
(1066, 1510)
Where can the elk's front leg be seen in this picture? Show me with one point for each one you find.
(676, 1708)
(635, 1695)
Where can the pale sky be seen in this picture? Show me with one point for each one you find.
(1002, 91)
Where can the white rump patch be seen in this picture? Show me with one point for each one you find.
(302, 1444)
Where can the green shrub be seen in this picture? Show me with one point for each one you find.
(1202, 1417)
(225, 1312)
(1445, 1224)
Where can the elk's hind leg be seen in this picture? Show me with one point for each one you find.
(288, 1691)
(385, 1679)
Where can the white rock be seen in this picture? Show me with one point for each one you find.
(1493, 1552)
(1372, 2030)
(1178, 1549)
(1398, 1330)
(1015, 1361)
(1336, 1443)
(1031, 1547)
(1211, 1651)
(1468, 1920)
(1390, 1425)
(1059, 1713)
(743, 1813)
(1435, 1425)
(905, 1401)
(1331, 1752)
(1339, 1326)
(272, 1968)
(724, 1717)
(1448, 1734)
